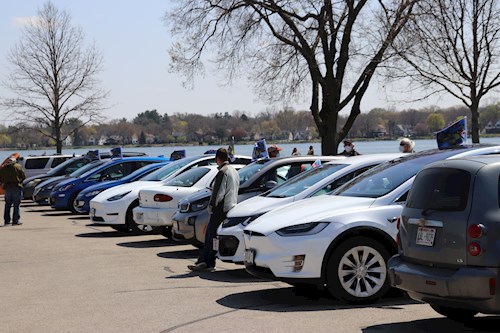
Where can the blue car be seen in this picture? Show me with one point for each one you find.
(63, 195)
(84, 197)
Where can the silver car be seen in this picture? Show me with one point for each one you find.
(449, 249)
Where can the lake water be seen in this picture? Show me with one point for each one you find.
(363, 147)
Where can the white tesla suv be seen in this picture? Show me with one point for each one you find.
(315, 182)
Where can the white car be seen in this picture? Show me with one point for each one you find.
(113, 207)
(157, 205)
(341, 241)
(315, 182)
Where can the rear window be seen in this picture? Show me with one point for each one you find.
(188, 178)
(440, 189)
(58, 160)
(36, 163)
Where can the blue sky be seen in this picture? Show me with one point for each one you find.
(134, 43)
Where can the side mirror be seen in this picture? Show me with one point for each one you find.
(270, 184)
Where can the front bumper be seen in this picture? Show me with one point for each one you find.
(463, 287)
(231, 244)
(106, 214)
(58, 200)
(190, 226)
(155, 217)
(276, 254)
(41, 196)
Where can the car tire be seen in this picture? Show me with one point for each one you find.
(456, 314)
(72, 203)
(137, 229)
(357, 270)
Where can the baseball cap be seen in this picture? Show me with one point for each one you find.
(272, 147)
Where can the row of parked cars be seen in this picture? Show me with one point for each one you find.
(327, 222)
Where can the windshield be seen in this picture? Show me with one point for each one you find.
(188, 178)
(303, 181)
(248, 171)
(386, 177)
(86, 168)
(62, 166)
(139, 173)
(168, 169)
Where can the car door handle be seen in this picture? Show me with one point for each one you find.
(392, 220)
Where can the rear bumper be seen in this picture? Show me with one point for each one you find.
(465, 287)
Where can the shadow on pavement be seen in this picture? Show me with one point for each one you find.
(149, 243)
(438, 325)
(59, 214)
(296, 300)
(182, 254)
(104, 234)
(229, 275)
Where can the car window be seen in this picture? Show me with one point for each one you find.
(440, 189)
(169, 169)
(58, 160)
(110, 173)
(303, 181)
(188, 178)
(36, 163)
(339, 182)
(386, 177)
(248, 171)
(87, 168)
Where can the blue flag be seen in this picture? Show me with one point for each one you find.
(177, 155)
(453, 135)
(116, 152)
(230, 150)
(260, 150)
(93, 155)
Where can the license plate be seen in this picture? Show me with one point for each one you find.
(92, 212)
(249, 257)
(216, 244)
(425, 236)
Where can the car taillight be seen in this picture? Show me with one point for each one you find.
(474, 249)
(475, 231)
(162, 197)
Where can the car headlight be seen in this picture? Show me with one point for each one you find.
(196, 206)
(118, 196)
(32, 183)
(304, 229)
(244, 220)
(66, 187)
(93, 193)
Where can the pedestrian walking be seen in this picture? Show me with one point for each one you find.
(12, 177)
(224, 197)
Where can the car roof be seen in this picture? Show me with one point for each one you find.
(367, 158)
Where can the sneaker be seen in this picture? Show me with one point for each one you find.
(18, 223)
(7, 224)
(201, 267)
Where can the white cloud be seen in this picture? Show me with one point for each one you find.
(21, 21)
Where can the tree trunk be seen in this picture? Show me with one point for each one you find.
(474, 110)
(57, 135)
(328, 132)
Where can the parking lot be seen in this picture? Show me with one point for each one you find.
(59, 274)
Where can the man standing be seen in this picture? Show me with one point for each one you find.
(224, 197)
(12, 177)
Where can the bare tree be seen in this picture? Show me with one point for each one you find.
(53, 77)
(331, 47)
(452, 47)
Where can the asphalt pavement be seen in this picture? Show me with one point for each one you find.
(60, 274)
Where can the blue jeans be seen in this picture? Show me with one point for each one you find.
(208, 255)
(13, 197)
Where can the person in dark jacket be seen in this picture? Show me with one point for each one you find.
(12, 177)
(349, 149)
(224, 197)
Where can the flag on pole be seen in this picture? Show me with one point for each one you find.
(316, 163)
(453, 135)
(260, 150)
(230, 150)
(93, 155)
(116, 152)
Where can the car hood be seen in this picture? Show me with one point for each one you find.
(102, 186)
(133, 186)
(68, 181)
(308, 210)
(52, 180)
(258, 205)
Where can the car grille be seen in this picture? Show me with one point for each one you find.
(228, 245)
